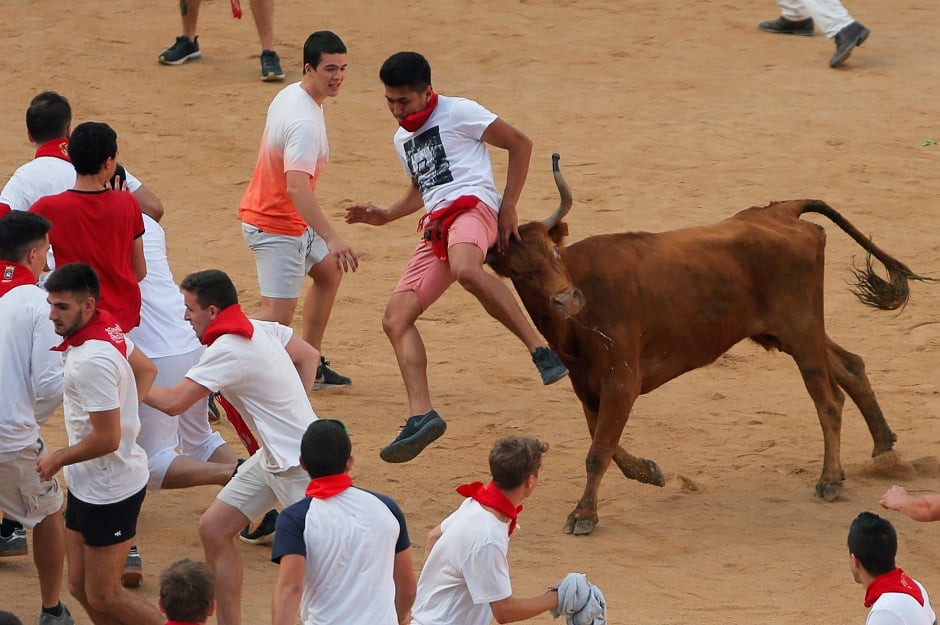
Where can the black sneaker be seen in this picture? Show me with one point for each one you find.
(181, 51)
(264, 533)
(783, 26)
(846, 39)
(133, 572)
(271, 66)
(549, 364)
(418, 432)
(14, 544)
(326, 377)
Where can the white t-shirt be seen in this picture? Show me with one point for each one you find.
(162, 331)
(98, 378)
(42, 176)
(260, 380)
(31, 375)
(466, 570)
(447, 156)
(895, 608)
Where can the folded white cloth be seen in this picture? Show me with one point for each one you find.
(580, 601)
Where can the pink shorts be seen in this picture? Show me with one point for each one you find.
(429, 276)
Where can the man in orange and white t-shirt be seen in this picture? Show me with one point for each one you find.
(282, 221)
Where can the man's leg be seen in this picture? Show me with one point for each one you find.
(217, 530)
(75, 552)
(318, 302)
(185, 472)
(189, 12)
(49, 556)
(263, 12)
(399, 324)
(104, 593)
(276, 309)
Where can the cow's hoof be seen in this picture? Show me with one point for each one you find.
(656, 476)
(828, 492)
(579, 527)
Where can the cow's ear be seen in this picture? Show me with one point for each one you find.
(558, 232)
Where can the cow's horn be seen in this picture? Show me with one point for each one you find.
(565, 204)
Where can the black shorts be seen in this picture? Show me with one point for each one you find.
(104, 525)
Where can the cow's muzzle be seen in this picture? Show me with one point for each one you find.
(568, 302)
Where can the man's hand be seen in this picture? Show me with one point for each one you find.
(366, 214)
(345, 255)
(895, 498)
(508, 227)
(48, 465)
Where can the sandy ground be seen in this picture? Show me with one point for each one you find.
(667, 114)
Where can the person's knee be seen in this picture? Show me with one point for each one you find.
(77, 590)
(327, 274)
(101, 598)
(471, 277)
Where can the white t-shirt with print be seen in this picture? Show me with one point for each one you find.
(98, 378)
(466, 570)
(258, 377)
(447, 157)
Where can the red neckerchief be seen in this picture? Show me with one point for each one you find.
(892, 581)
(236, 9)
(491, 497)
(58, 148)
(241, 428)
(416, 120)
(14, 275)
(101, 327)
(437, 225)
(328, 485)
(231, 320)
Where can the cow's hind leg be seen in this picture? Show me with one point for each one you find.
(828, 399)
(849, 372)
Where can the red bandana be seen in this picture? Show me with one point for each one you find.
(236, 9)
(230, 321)
(892, 581)
(101, 327)
(58, 148)
(492, 497)
(241, 428)
(416, 120)
(328, 485)
(437, 225)
(14, 275)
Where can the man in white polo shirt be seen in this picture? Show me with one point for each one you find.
(105, 468)
(264, 371)
(31, 378)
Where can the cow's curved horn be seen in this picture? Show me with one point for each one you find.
(565, 204)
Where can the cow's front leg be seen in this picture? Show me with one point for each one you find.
(608, 424)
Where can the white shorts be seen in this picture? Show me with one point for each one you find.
(24, 496)
(162, 436)
(282, 260)
(254, 490)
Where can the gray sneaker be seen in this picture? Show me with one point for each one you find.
(418, 432)
(133, 573)
(14, 544)
(549, 365)
(181, 51)
(63, 619)
(271, 66)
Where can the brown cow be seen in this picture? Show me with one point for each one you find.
(629, 312)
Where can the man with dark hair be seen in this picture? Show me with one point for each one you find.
(187, 592)
(282, 220)
(186, 47)
(31, 378)
(442, 144)
(334, 570)
(99, 226)
(105, 468)
(264, 371)
(465, 578)
(894, 598)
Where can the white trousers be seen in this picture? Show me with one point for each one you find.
(830, 16)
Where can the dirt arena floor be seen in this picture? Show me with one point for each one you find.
(667, 114)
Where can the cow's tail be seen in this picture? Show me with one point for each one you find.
(870, 288)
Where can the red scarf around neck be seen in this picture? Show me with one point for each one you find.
(416, 120)
(328, 485)
(491, 497)
(58, 148)
(892, 581)
(14, 275)
(231, 320)
(101, 327)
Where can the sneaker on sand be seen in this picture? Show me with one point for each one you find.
(327, 378)
(63, 619)
(271, 66)
(549, 364)
(181, 51)
(264, 533)
(418, 432)
(14, 544)
(133, 573)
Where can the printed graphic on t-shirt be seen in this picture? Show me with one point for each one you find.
(427, 160)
